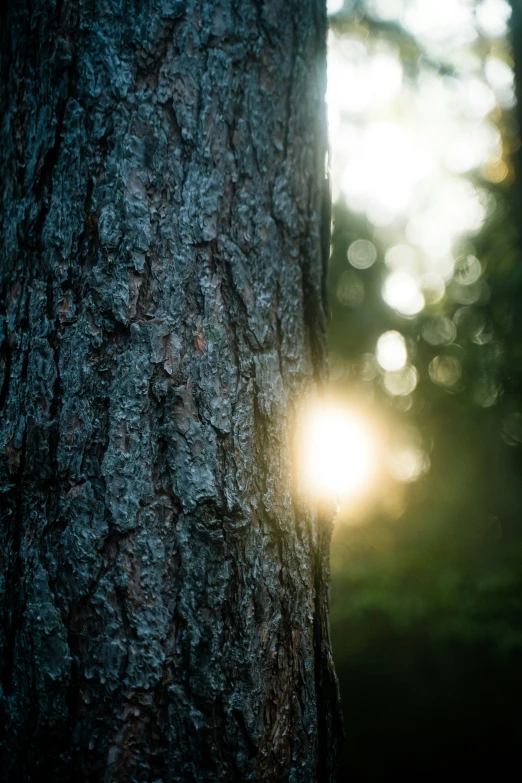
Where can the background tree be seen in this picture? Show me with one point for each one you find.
(164, 584)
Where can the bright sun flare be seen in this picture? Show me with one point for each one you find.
(339, 454)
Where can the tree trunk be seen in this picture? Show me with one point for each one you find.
(513, 378)
(165, 231)
(516, 43)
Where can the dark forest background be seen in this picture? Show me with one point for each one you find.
(427, 570)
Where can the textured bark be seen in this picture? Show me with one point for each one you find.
(165, 231)
(516, 43)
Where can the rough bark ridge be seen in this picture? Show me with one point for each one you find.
(164, 587)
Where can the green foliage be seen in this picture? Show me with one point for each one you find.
(427, 592)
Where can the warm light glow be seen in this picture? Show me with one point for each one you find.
(356, 81)
(493, 16)
(495, 170)
(402, 257)
(441, 22)
(391, 351)
(432, 287)
(339, 452)
(334, 6)
(453, 209)
(401, 291)
(408, 463)
(384, 172)
(401, 382)
(498, 73)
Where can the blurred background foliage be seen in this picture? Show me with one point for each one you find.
(426, 341)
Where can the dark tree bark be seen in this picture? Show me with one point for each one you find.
(164, 239)
(513, 281)
(516, 43)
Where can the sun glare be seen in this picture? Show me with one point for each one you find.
(339, 457)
